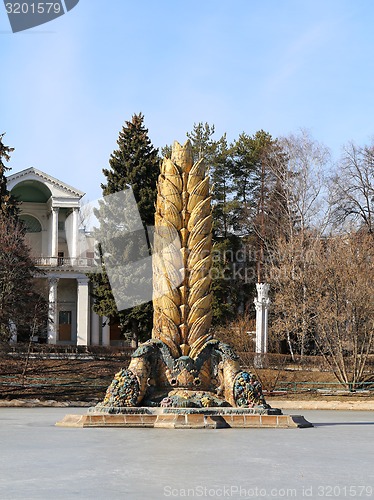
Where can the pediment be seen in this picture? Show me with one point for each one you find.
(32, 175)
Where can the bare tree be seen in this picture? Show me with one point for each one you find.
(293, 297)
(17, 278)
(300, 178)
(342, 278)
(298, 175)
(36, 320)
(352, 187)
(325, 294)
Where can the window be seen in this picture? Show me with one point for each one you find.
(32, 225)
(65, 318)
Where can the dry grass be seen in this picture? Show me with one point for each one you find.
(60, 379)
(87, 380)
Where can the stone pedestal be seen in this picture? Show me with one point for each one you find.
(184, 418)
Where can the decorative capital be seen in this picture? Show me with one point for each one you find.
(262, 291)
(83, 281)
(262, 300)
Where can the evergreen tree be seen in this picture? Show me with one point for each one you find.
(249, 158)
(134, 163)
(223, 201)
(259, 192)
(228, 277)
(204, 146)
(8, 204)
(134, 168)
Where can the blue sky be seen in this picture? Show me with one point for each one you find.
(67, 87)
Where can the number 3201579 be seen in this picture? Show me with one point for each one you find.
(33, 8)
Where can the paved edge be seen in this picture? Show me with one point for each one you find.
(284, 404)
(322, 405)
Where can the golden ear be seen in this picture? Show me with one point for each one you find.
(183, 217)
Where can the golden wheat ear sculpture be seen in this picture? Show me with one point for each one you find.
(182, 254)
(182, 366)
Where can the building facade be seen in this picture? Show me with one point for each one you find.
(52, 213)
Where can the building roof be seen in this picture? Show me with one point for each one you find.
(37, 175)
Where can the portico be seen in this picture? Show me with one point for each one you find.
(64, 250)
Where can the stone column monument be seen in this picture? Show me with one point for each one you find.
(262, 304)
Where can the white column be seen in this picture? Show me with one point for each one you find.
(83, 312)
(106, 332)
(74, 242)
(54, 231)
(53, 312)
(262, 303)
(95, 328)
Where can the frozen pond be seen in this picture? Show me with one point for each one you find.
(40, 461)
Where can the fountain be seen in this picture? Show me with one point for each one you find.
(183, 377)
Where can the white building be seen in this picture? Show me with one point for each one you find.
(51, 211)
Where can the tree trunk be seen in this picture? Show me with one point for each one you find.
(135, 333)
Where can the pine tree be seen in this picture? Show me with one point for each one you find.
(249, 157)
(8, 204)
(222, 190)
(134, 163)
(134, 168)
(203, 145)
(258, 192)
(227, 285)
